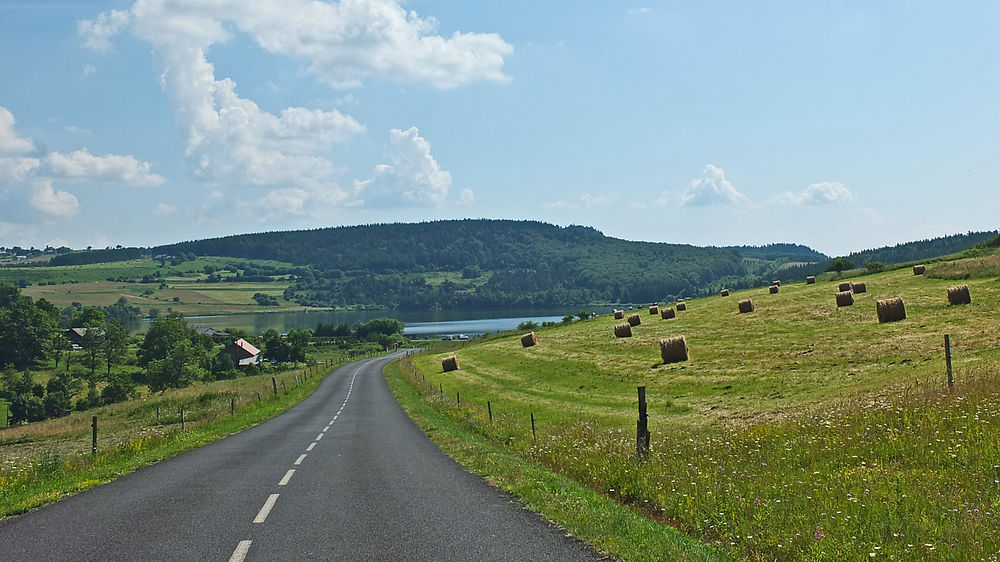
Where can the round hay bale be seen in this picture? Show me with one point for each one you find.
(845, 298)
(773, 289)
(859, 287)
(845, 286)
(682, 306)
(919, 269)
(619, 315)
(890, 310)
(449, 363)
(811, 280)
(959, 295)
(667, 313)
(653, 310)
(623, 330)
(529, 339)
(674, 350)
(634, 320)
(776, 283)
(746, 306)
(724, 292)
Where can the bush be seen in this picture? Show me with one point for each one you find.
(120, 388)
(527, 325)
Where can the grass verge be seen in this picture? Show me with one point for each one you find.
(593, 518)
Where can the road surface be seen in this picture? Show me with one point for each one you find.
(344, 475)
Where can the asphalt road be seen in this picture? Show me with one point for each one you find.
(344, 475)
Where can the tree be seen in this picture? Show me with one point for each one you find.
(840, 264)
(165, 333)
(875, 267)
(88, 316)
(115, 343)
(91, 342)
(275, 347)
(25, 329)
(120, 388)
(184, 364)
(298, 341)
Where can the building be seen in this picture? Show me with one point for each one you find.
(243, 353)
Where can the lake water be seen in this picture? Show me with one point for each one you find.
(418, 324)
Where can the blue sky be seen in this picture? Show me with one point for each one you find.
(842, 127)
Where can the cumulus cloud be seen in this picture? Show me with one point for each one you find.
(113, 168)
(413, 177)
(586, 201)
(10, 143)
(229, 139)
(466, 197)
(712, 188)
(30, 175)
(164, 209)
(826, 193)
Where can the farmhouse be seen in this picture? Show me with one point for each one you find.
(243, 353)
(212, 333)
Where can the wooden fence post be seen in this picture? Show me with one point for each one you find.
(947, 359)
(93, 441)
(274, 385)
(489, 408)
(533, 436)
(182, 419)
(642, 427)
(232, 405)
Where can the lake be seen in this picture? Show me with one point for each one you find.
(418, 324)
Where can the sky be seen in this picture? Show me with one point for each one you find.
(842, 126)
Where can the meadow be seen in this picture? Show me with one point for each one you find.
(798, 431)
(184, 286)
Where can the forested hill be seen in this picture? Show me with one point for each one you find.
(492, 263)
(922, 249)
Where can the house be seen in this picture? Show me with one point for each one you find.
(212, 333)
(243, 353)
(76, 335)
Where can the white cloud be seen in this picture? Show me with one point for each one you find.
(638, 11)
(30, 177)
(97, 33)
(413, 177)
(112, 168)
(57, 203)
(229, 139)
(10, 142)
(587, 201)
(826, 193)
(466, 198)
(712, 188)
(88, 69)
(163, 209)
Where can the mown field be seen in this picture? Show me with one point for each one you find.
(799, 431)
(185, 288)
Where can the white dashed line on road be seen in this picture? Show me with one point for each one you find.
(264, 511)
(287, 477)
(311, 446)
(320, 436)
(299, 460)
(241, 551)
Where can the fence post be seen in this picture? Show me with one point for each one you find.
(232, 405)
(93, 441)
(458, 398)
(533, 436)
(157, 413)
(274, 385)
(947, 360)
(283, 387)
(182, 419)
(642, 427)
(489, 408)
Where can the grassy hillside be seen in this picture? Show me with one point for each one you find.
(798, 431)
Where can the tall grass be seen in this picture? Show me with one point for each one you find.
(799, 432)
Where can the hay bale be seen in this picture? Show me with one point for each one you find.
(845, 286)
(623, 330)
(890, 310)
(653, 310)
(674, 350)
(449, 363)
(845, 298)
(859, 287)
(919, 269)
(724, 292)
(529, 339)
(776, 283)
(634, 320)
(746, 306)
(773, 289)
(619, 315)
(667, 313)
(811, 280)
(959, 295)
(682, 306)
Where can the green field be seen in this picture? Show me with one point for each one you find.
(185, 288)
(798, 431)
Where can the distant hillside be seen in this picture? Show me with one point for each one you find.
(922, 249)
(494, 263)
